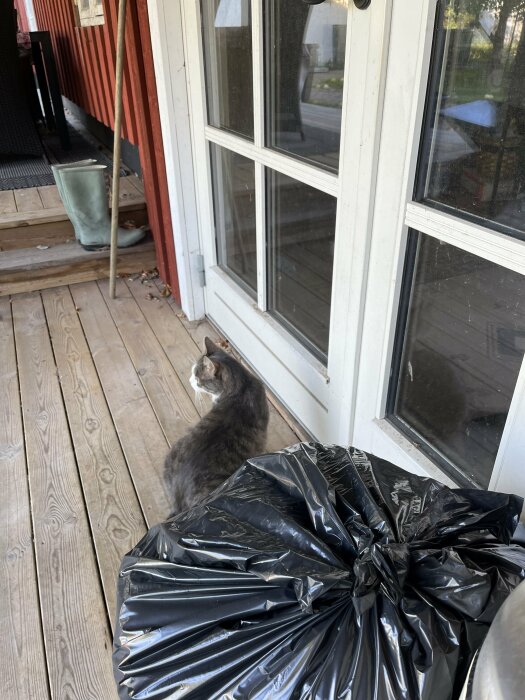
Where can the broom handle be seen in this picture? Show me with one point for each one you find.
(121, 32)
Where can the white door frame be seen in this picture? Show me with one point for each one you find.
(310, 390)
(172, 90)
(395, 213)
(366, 281)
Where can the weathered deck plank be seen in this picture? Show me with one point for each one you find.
(140, 434)
(23, 667)
(171, 334)
(136, 183)
(28, 200)
(113, 509)
(173, 406)
(127, 190)
(49, 196)
(75, 625)
(7, 202)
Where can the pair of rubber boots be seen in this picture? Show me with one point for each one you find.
(82, 188)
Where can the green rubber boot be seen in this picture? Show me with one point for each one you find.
(57, 169)
(82, 188)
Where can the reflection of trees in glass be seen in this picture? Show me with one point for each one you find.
(501, 49)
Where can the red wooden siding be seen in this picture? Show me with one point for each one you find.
(86, 61)
(86, 64)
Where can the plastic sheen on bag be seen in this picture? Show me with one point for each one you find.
(317, 572)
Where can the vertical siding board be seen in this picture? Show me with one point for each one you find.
(66, 47)
(56, 23)
(103, 71)
(86, 51)
(110, 68)
(129, 83)
(89, 34)
(79, 70)
(87, 77)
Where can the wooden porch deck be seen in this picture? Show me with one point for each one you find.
(94, 391)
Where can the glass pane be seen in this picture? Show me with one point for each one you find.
(463, 348)
(227, 37)
(234, 205)
(474, 151)
(305, 61)
(301, 253)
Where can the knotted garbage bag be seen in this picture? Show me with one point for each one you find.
(317, 572)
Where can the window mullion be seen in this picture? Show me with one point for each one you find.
(258, 140)
(478, 240)
(261, 229)
(258, 72)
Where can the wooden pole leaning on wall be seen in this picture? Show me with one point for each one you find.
(121, 33)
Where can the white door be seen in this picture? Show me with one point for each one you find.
(361, 218)
(284, 104)
(442, 378)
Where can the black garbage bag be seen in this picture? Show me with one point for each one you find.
(316, 572)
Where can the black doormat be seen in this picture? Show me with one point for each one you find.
(21, 172)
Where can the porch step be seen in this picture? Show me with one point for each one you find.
(31, 269)
(36, 216)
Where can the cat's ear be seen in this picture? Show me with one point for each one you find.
(209, 346)
(210, 367)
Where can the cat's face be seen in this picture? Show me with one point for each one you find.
(207, 373)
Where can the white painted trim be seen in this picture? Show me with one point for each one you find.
(405, 90)
(170, 70)
(478, 240)
(508, 474)
(411, 139)
(260, 217)
(366, 58)
(258, 140)
(258, 73)
(403, 453)
(31, 17)
(193, 49)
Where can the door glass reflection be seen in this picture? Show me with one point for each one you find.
(462, 352)
(305, 63)
(234, 206)
(474, 147)
(301, 253)
(227, 38)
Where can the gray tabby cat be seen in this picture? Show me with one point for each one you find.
(231, 432)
